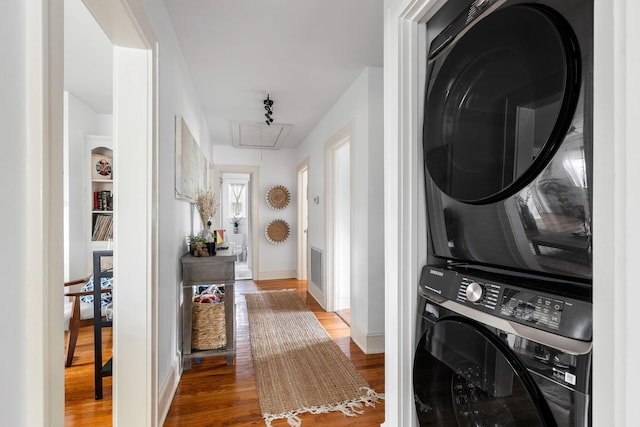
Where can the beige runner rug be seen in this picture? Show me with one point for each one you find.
(297, 365)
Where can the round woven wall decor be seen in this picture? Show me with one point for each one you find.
(277, 231)
(278, 197)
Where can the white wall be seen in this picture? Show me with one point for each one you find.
(176, 97)
(14, 368)
(360, 105)
(275, 168)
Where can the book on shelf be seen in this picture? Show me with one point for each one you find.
(102, 200)
(102, 227)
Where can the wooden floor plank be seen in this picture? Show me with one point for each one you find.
(214, 394)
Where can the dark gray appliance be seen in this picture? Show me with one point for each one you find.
(494, 354)
(508, 138)
(505, 300)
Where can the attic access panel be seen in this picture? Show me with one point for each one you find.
(258, 135)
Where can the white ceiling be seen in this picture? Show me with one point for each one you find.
(88, 58)
(304, 53)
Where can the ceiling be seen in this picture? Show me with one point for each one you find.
(303, 53)
(88, 58)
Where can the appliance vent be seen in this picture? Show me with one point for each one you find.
(317, 268)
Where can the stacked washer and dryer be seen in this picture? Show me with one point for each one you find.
(505, 302)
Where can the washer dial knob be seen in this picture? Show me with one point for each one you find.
(474, 292)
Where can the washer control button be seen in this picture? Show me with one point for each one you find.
(474, 292)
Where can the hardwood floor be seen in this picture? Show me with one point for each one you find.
(214, 394)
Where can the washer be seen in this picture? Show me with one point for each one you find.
(493, 354)
(507, 137)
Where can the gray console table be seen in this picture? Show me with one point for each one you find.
(217, 270)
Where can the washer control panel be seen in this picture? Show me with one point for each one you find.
(532, 308)
(522, 305)
(566, 316)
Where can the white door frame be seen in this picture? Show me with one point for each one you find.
(344, 134)
(303, 220)
(126, 24)
(254, 171)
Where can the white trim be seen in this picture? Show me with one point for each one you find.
(254, 171)
(132, 374)
(126, 23)
(43, 392)
(403, 96)
(317, 295)
(346, 134)
(368, 343)
(168, 389)
(616, 248)
(274, 275)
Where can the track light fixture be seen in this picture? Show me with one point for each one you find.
(268, 104)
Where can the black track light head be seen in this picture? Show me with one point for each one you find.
(268, 103)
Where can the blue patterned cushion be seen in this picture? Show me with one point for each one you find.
(105, 299)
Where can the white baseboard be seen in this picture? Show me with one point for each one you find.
(317, 295)
(273, 275)
(168, 390)
(368, 343)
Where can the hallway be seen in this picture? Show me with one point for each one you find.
(214, 394)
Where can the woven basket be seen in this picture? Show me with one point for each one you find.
(208, 328)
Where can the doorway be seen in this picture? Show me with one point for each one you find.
(249, 175)
(342, 231)
(235, 214)
(135, 234)
(303, 220)
(338, 222)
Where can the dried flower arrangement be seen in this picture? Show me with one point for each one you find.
(206, 206)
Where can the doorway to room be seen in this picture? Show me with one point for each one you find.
(235, 194)
(342, 231)
(303, 220)
(135, 236)
(338, 223)
(247, 235)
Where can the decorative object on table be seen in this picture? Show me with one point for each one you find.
(277, 231)
(291, 351)
(102, 166)
(278, 197)
(198, 246)
(207, 208)
(219, 237)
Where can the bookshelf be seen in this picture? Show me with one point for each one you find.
(100, 200)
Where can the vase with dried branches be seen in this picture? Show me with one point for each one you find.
(207, 208)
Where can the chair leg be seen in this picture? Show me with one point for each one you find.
(74, 325)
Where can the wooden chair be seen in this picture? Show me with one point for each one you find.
(79, 313)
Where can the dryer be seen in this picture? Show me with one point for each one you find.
(507, 139)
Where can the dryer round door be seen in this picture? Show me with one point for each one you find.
(465, 376)
(500, 100)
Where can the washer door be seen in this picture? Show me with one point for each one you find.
(500, 100)
(464, 375)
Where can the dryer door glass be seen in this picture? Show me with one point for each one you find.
(499, 102)
(464, 376)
